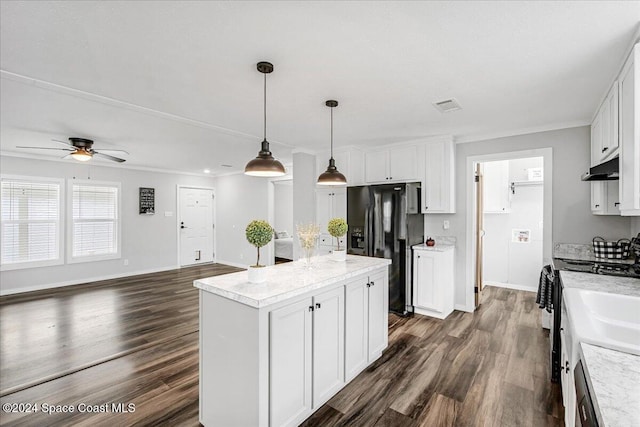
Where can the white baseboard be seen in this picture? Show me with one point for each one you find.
(462, 307)
(233, 264)
(510, 286)
(13, 291)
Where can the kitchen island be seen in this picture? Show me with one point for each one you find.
(273, 353)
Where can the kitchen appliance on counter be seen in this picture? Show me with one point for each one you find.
(384, 222)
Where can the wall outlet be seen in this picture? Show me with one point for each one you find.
(445, 225)
(241, 256)
(125, 262)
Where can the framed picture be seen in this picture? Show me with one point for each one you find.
(147, 201)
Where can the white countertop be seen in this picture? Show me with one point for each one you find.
(436, 248)
(288, 279)
(614, 378)
(601, 283)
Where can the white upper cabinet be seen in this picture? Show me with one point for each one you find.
(396, 164)
(604, 129)
(349, 163)
(495, 179)
(605, 198)
(438, 187)
(629, 132)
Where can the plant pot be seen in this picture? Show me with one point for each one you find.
(257, 274)
(339, 255)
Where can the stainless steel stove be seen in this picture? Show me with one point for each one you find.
(606, 267)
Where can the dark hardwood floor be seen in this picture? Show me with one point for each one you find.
(135, 340)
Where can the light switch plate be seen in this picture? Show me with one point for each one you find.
(445, 225)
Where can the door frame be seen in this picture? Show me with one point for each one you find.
(177, 223)
(547, 216)
(271, 210)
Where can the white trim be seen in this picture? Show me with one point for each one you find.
(547, 237)
(86, 280)
(61, 224)
(69, 234)
(461, 307)
(463, 139)
(234, 264)
(177, 223)
(510, 286)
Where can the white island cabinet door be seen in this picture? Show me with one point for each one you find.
(356, 330)
(290, 330)
(328, 345)
(378, 313)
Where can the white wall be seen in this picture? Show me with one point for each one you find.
(505, 261)
(304, 192)
(149, 242)
(572, 218)
(283, 207)
(241, 199)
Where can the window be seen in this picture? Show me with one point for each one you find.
(94, 221)
(31, 222)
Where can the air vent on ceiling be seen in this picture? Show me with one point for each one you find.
(447, 105)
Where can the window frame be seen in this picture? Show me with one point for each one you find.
(70, 223)
(61, 223)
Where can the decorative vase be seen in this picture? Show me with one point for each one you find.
(257, 274)
(308, 256)
(339, 255)
(430, 242)
(308, 238)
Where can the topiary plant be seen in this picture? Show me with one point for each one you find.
(337, 227)
(259, 233)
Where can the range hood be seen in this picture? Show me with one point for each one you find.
(606, 171)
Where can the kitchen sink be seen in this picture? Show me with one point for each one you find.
(605, 319)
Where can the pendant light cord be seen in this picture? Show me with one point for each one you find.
(265, 107)
(332, 132)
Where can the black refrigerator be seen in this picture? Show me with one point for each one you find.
(384, 222)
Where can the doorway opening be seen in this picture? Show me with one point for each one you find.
(509, 220)
(196, 225)
(283, 221)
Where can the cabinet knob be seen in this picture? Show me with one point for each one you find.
(426, 207)
(318, 305)
(566, 366)
(605, 149)
(616, 204)
(310, 308)
(373, 283)
(390, 177)
(597, 206)
(368, 285)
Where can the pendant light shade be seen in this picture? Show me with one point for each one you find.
(331, 176)
(264, 164)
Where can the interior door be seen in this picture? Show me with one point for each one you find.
(196, 225)
(479, 233)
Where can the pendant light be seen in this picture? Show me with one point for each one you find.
(331, 176)
(264, 164)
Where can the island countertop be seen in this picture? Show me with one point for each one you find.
(288, 279)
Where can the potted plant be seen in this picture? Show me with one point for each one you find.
(338, 227)
(258, 233)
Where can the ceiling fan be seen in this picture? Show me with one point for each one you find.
(81, 149)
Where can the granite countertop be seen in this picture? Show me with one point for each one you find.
(601, 283)
(436, 248)
(614, 378)
(288, 280)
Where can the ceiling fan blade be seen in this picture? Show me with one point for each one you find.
(47, 148)
(108, 150)
(63, 142)
(106, 156)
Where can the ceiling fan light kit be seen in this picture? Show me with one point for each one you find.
(264, 165)
(332, 176)
(81, 149)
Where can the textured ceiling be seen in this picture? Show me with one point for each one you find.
(175, 84)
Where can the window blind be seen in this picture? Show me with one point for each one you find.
(30, 217)
(94, 220)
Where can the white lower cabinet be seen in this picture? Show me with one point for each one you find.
(290, 330)
(367, 302)
(307, 356)
(433, 281)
